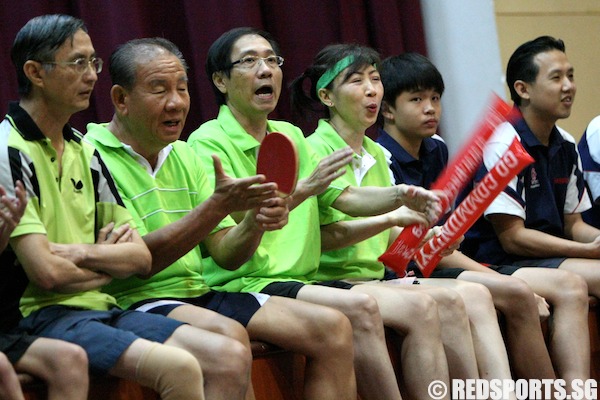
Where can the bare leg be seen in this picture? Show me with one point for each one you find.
(456, 332)
(10, 389)
(490, 351)
(225, 355)
(524, 338)
(66, 375)
(374, 372)
(588, 269)
(569, 335)
(415, 316)
(322, 334)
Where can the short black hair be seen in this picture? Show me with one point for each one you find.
(219, 54)
(39, 40)
(125, 59)
(409, 72)
(521, 66)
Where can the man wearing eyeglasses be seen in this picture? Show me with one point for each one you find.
(75, 235)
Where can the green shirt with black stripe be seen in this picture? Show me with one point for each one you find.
(157, 198)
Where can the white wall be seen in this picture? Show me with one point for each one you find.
(462, 41)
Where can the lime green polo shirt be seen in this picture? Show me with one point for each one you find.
(291, 253)
(156, 199)
(358, 261)
(68, 208)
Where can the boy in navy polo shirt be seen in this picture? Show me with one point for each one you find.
(536, 220)
(410, 113)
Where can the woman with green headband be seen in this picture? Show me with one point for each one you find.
(247, 92)
(344, 79)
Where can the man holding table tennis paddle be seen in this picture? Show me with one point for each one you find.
(244, 67)
(164, 185)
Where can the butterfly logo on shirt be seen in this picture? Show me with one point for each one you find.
(77, 186)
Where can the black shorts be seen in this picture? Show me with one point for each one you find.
(454, 273)
(238, 306)
(14, 346)
(540, 262)
(291, 288)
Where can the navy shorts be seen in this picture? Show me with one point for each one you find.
(104, 335)
(291, 288)
(238, 306)
(14, 346)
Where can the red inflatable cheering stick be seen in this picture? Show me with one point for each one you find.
(471, 208)
(452, 180)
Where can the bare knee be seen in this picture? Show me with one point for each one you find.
(516, 298)
(235, 361)
(70, 366)
(332, 333)
(364, 313)
(573, 290)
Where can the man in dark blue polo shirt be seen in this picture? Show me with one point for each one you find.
(536, 220)
(410, 111)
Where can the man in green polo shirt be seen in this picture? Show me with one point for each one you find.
(65, 255)
(164, 185)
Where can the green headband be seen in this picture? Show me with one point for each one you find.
(334, 71)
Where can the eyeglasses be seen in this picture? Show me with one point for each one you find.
(250, 62)
(81, 64)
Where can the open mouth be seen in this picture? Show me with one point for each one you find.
(264, 91)
(171, 123)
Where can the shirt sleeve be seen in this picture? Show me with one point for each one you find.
(510, 201)
(589, 150)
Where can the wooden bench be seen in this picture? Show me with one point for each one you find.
(277, 374)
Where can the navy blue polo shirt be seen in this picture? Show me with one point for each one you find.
(433, 157)
(589, 150)
(541, 194)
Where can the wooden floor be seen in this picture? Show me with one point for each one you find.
(276, 374)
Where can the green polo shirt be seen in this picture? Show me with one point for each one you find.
(157, 198)
(359, 260)
(291, 253)
(68, 207)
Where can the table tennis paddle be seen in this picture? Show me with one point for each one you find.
(278, 161)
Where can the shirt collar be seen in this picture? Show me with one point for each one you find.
(531, 140)
(235, 131)
(27, 127)
(108, 139)
(398, 152)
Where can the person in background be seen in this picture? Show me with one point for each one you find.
(536, 221)
(164, 185)
(66, 376)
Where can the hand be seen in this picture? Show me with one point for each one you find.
(109, 235)
(273, 214)
(240, 194)
(426, 201)
(404, 216)
(11, 211)
(328, 170)
(543, 307)
(437, 231)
